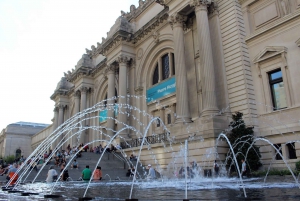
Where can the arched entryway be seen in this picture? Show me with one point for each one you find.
(18, 153)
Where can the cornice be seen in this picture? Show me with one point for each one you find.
(135, 12)
(151, 25)
(59, 92)
(96, 71)
(273, 25)
(124, 37)
(163, 2)
(79, 73)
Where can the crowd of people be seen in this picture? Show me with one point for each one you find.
(60, 160)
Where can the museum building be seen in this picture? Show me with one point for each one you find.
(192, 63)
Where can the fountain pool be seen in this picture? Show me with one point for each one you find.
(204, 189)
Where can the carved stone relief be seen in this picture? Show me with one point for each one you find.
(285, 7)
(140, 53)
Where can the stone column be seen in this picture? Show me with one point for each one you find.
(182, 106)
(122, 117)
(83, 91)
(173, 108)
(139, 105)
(77, 109)
(206, 57)
(55, 120)
(111, 102)
(60, 120)
(171, 64)
(55, 125)
(160, 74)
(162, 117)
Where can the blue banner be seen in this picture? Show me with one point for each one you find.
(161, 90)
(103, 114)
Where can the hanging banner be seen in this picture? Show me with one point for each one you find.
(103, 114)
(161, 90)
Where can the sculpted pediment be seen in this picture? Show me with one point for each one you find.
(268, 52)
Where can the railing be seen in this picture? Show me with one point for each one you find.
(150, 139)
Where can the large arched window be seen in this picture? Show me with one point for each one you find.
(165, 68)
(155, 76)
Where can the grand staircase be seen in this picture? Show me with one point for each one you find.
(114, 167)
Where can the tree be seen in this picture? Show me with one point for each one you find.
(241, 138)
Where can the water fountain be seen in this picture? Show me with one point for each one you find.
(165, 187)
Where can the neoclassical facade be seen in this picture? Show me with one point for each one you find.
(16, 138)
(195, 62)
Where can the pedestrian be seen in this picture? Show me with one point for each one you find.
(51, 175)
(151, 174)
(74, 165)
(12, 174)
(86, 173)
(216, 168)
(244, 168)
(97, 173)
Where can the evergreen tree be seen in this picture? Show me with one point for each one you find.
(241, 137)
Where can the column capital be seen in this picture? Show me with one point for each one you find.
(177, 20)
(122, 59)
(110, 69)
(195, 3)
(61, 106)
(83, 89)
(77, 94)
(200, 4)
(55, 109)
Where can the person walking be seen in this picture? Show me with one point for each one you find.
(86, 173)
(244, 168)
(216, 168)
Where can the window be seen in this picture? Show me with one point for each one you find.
(155, 76)
(173, 60)
(278, 147)
(292, 150)
(165, 67)
(169, 118)
(157, 122)
(277, 90)
(105, 101)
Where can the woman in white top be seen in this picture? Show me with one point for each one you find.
(51, 175)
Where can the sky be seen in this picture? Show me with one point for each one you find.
(39, 41)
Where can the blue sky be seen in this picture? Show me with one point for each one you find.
(39, 41)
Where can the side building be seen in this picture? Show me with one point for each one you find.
(192, 63)
(15, 139)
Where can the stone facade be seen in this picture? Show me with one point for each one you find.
(220, 52)
(18, 136)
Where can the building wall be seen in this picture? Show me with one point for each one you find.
(247, 39)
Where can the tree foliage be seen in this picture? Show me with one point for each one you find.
(241, 138)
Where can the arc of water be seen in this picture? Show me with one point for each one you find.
(287, 165)
(140, 150)
(109, 142)
(71, 161)
(240, 175)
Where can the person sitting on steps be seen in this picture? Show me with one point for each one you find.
(74, 165)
